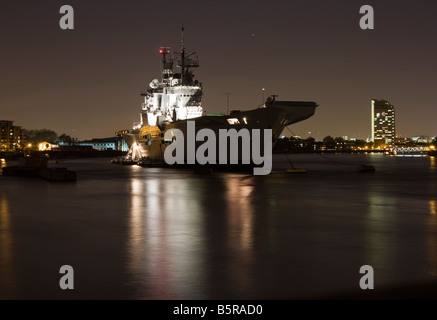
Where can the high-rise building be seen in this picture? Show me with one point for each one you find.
(383, 122)
(11, 137)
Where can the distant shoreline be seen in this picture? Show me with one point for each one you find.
(75, 154)
(325, 151)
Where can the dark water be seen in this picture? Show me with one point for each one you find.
(138, 233)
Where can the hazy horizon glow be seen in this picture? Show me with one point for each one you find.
(86, 82)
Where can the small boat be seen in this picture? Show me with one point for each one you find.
(37, 167)
(58, 174)
(27, 167)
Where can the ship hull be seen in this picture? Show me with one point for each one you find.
(148, 143)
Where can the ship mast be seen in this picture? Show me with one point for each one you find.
(186, 62)
(182, 56)
(167, 65)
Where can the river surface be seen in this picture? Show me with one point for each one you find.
(153, 233)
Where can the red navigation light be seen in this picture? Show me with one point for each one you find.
(160, 51)
(182, 51)
(168, 51)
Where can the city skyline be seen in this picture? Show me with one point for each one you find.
(86, 82)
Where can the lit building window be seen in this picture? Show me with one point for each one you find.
(233, 121)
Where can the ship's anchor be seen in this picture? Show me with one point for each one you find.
(293, 169)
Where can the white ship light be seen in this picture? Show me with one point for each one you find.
(233, 121)
(135, 147)
(44, 146)
(245, 120)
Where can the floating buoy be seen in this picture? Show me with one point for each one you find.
(366, 168)
(296, 170)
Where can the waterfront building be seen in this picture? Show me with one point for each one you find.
(113, 143)
(422, 139)
(11, 137)
(383, 123)
(401, 141)
(47, 146)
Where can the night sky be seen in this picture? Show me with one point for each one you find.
(86, 82)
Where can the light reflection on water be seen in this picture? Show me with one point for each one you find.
(432, 207)
(240, 228)
(2, 163)
(165, 241)
(170, 234)
(7, 277)
(381, 230)
(240, 213)
(431, 239)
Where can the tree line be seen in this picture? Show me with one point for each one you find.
(35, 136)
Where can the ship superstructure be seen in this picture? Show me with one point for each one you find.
(176, 99)
(177, 96)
